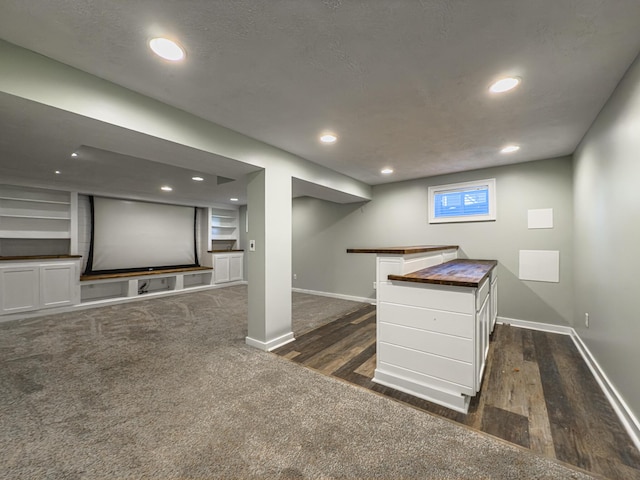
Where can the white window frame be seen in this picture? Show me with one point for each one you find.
(452, 187)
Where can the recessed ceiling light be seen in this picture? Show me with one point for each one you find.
(510, 149)
(504, 85)
(386, 171)
(74, 154)
(166, 188)
(57, 172)
(167, 49)
(197, 179)
(328, 138)
(233, 199)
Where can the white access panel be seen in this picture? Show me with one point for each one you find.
(540, 265)
(540, 218)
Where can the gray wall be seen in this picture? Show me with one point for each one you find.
(397, 215)
(607, 232)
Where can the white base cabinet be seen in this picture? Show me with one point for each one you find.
(34, 285)
(228, 267)
(117, 289)
(494, 298)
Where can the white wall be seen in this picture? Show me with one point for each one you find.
(607, 236)
(397, 215)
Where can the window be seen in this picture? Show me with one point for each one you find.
(463, 202)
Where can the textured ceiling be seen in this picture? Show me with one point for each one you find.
(37, 140)
(402, 82)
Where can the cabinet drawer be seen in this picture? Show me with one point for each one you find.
(424, 363)
(447, 346)
(450, 323)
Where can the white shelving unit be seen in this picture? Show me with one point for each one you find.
(115, 290)
(34, 213)
(223, 225)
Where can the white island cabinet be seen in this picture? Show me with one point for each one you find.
(433, 331)
(434, 318)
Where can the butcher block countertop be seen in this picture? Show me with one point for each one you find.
(403, 250)
(459, 272)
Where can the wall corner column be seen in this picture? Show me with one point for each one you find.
(269, 266)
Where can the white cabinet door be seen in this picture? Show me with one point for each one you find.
(494, 302)
(482, 341)
(19, 289)
(58, 285)
(221, 269)
(235, 267)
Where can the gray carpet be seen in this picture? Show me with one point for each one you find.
(166, 388)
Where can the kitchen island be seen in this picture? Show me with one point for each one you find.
(433, 322)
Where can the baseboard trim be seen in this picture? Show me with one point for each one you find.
(628, 420)
(542, 327)
(271, 344)
(336, 295)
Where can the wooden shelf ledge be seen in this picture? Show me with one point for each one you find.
(164, 271)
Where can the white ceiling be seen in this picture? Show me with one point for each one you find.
(402, 82)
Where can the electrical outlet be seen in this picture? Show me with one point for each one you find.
(295, 276)
(375, 285)
(252, 245)
(586, 320)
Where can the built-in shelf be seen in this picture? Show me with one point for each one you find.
(32, 234)
(35, 213)
(222, 225)
(33, 216)
(35, 200)
(109, 289)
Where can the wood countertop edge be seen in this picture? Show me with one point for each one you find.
(37, 257)
(450, 283)
(224, 251)
(451, 280)
(143, 273)
(404, 250)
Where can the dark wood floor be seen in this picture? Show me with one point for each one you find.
(537, 391)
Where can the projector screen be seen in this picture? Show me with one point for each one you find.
(131, 236)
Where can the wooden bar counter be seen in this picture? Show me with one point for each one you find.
(435, 313)
(459, 273)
